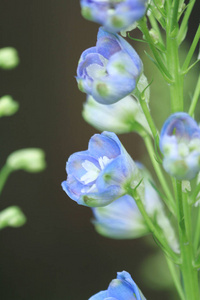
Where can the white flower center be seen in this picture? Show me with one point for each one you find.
(96, 71)
(185, 148)
(92, 170)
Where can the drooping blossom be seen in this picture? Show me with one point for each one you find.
(101, 174)
(114, 15)
(110, 70)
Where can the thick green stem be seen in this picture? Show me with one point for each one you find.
(189, 273)
(176, 88)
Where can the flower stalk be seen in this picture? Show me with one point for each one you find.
(105, 177)
(189, 272)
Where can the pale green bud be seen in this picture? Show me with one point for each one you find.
(154, 35)
(12, 216)
(8, 106)
(121, 117)
(142, 87)
(153, 10)
(30, 160)
(9, 58)
(186, 186)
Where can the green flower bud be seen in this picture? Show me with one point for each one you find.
(154, 35)
(8, 106)
(142, 88)
(12, 216)
(9, 58)
(121, 117)
(30, 160)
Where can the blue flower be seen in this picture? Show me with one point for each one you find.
(180, 145)
(121, 219)
(121, 288)
(101, 174)
(114, 15)
(109, 71)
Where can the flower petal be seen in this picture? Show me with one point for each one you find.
(108, 45)
(72, 188)
(77, 165)
(101, 145)
(110, 89)
(121, 219)
(100, 296)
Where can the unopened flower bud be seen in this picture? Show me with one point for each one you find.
(12, 216)
(30, 160)
(120, 117)
(9, 58)
(154, 36)
(8, 106)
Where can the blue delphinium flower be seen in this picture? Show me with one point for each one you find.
(121, 288)
(101, 174)
(109, 71)
(180, 145)
(121, 219)
(114, 15)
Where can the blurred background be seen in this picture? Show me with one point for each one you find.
(57, 255)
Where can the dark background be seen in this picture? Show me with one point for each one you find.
(57, 255)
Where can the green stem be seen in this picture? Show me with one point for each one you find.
(175, 277)
(190, 275)
(155, 26)
(184, 24)
(176, 87)
(154, 230)
(159, 7)
(195, 98)
(175, 15)
(150, 121)
(169, 202)
(4, 173)
(197, 232)
(160, 64)
(191, 51)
